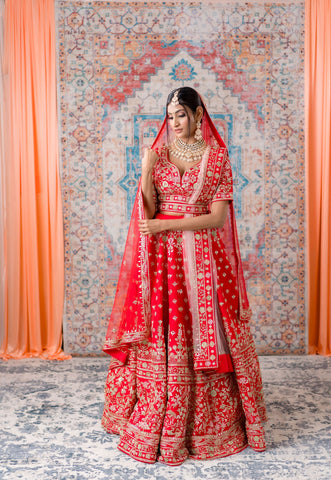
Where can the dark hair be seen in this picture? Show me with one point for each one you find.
(187, 97)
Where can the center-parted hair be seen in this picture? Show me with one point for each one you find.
(187, 96)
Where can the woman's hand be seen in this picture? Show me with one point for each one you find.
(147, 187)
(151, 226)
(149, 160)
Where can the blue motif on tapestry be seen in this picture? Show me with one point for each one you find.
(183, 71)
(130, 181)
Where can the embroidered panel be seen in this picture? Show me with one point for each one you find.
(117, 63)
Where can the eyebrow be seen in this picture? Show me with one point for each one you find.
(180, 110)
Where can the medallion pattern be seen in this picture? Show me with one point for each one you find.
(117, 63)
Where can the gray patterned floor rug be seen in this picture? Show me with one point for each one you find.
(50, 426)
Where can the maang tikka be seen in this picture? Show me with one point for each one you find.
(174, 100)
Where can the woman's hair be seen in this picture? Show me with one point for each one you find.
(187, 97)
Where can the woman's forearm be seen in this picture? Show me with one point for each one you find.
(215, 219)
(201, 222)
(148, 193)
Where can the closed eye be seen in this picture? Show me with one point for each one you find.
(180, 115)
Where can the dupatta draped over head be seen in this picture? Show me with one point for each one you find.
(130, 319)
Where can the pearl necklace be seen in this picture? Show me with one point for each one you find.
(188, 152)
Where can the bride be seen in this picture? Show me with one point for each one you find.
(184, 378)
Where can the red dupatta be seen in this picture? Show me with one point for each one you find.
(130, 321)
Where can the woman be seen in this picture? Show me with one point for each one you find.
(184, 379)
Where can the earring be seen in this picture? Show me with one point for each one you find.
(197, 133)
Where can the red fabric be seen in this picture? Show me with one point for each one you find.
(179, 322)
(165, 217)
(224, 363)
(118, 355)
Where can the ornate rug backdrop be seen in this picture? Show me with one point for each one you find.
(117, 63)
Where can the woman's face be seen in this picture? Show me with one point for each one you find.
(179, 121)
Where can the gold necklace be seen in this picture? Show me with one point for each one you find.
(188, 152)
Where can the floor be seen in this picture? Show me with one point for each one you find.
(50, 426)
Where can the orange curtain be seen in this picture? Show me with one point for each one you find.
(2, 184)
(32, 325)
(318, 172)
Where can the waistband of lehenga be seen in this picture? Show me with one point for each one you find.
(164, 216)
(179, 207)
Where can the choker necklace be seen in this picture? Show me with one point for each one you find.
(189, 152)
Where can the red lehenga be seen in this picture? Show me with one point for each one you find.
(184, 378)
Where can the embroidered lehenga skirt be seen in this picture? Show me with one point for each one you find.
(164, 409)
(192, 388)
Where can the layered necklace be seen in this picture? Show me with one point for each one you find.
(188, 152)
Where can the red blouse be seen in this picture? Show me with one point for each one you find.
(174, 190)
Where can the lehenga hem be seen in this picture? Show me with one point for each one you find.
(219, 455)
(193, 457)
(203, 448)
(112, 426)
(182, 460)
(140, 459)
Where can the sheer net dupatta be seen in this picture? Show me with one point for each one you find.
(130, 321)
(229, 232)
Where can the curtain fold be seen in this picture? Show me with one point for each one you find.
(318, 163)
(3, 275)
(32, 325)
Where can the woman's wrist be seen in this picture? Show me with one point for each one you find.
(165, 225)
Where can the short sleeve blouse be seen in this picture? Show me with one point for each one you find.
(224, 189)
